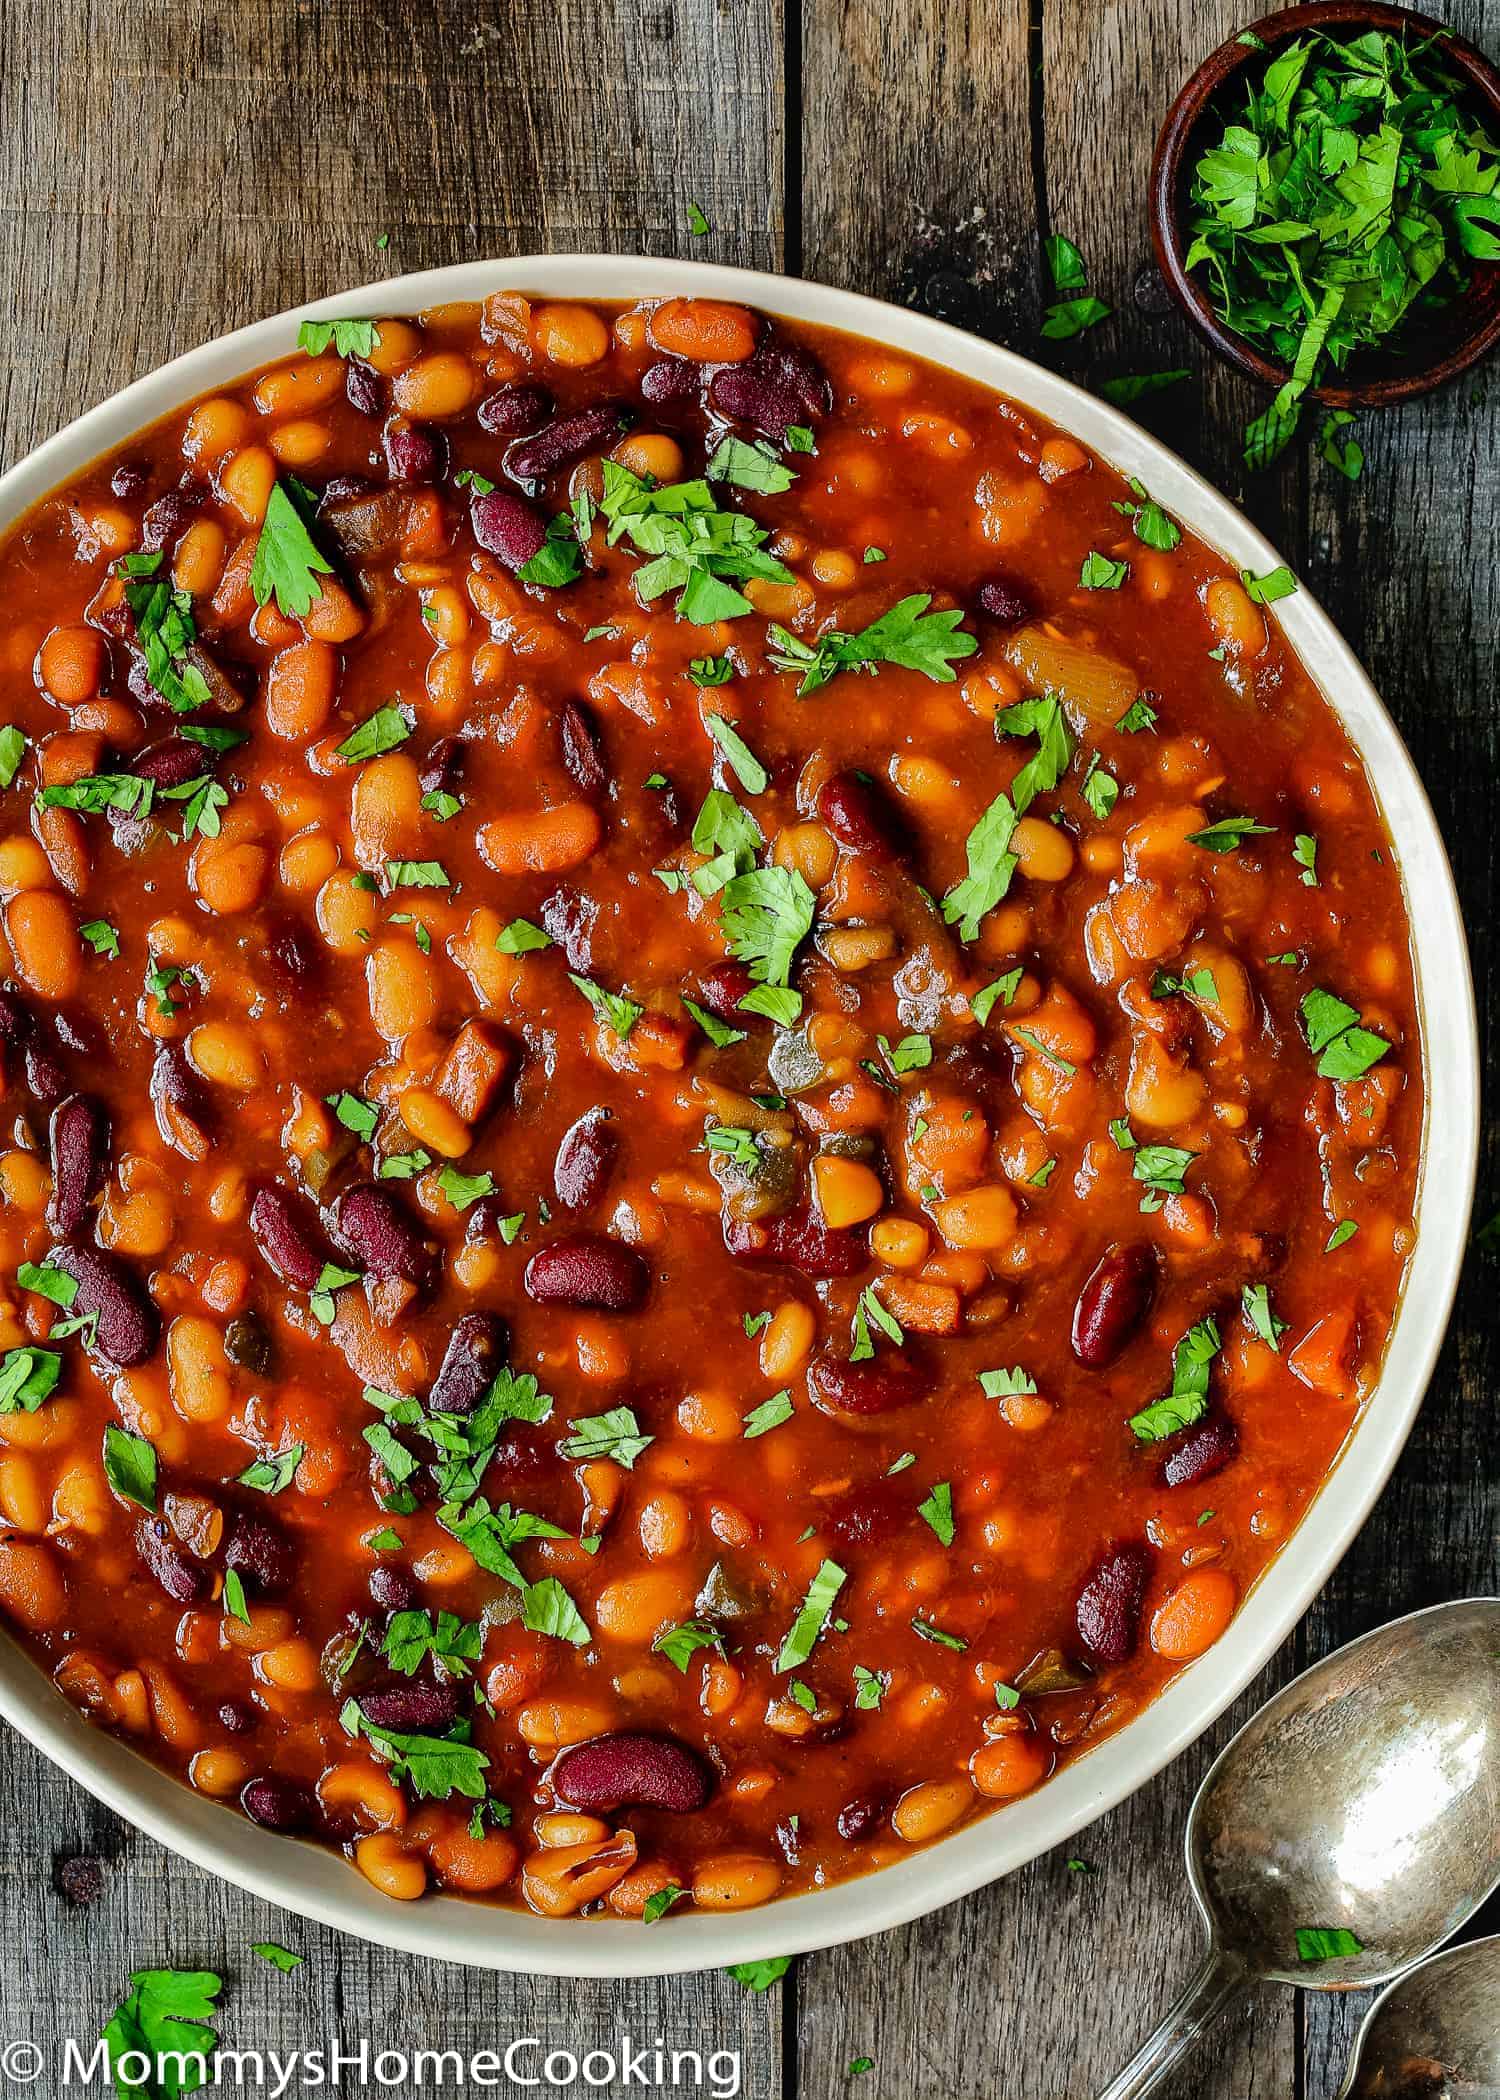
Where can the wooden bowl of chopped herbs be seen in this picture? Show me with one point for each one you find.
(1326, 207)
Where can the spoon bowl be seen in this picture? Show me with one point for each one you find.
(1350, 1827)
(1365, 1798)
(1435, 2034)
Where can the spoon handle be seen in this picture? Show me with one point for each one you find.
(1218, 1984)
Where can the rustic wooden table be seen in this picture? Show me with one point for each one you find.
(170, 168)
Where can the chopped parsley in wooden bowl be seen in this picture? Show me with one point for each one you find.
(1326, 198)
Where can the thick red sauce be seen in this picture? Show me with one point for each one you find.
(909, 1227)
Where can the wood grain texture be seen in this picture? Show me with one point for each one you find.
(460, 129)
(934, 141)
(916, 156)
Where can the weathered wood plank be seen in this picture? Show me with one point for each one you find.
(169, 172)
(916, 158)
(1401, 560)
(165, 175)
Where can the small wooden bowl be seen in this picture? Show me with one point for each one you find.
(1437, 345)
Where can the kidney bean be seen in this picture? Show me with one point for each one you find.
(587, 1269)
(238, 1717)
(364, 389)
(1201, 1451)
(471, 1363)
(290, 956)
(870, 1512)
(506, 526)
(1109, 1604)
(797, 1240)
(853, 808)
(391, 1589)
(128, 479)
(776, 388)
(171, 764)
(570, 916)
(874, 1388)
(411, 1709)
(247, 1343)
(170, 516)
(862, 1817)
(722, 988)
(288, 1236)
(168, 765)
(16, 1023)
(79, 1032)
(279, 1804)
(376, 1230)
(515, 411)
(563, 443)
(674, 379)
(183, 1114)
(260, 1553)
(443, 768)
(79, 1137)
(128, 1324)
(630, 1771)
(1005, 598)
(1113, 1303)
(185, 1580)
(45, 1074)
(585, 1159)
(412, 455)
(583, 752)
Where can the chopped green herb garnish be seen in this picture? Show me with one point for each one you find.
(937, 1512)
(1229, 834)
(747, 768)
(1133, 386)
(287, 562)
(103, 938)
(130, 1465)
(349, 338)
(615, 1435)
(1255, 1301)
(619, 1013)
(273, 1473)
(1192, 1360)
(1347, 196)
(909, 635)
(1099, 573)
(811, 1618)
(1326, 1943)
(1343, 1048)
(382, 731)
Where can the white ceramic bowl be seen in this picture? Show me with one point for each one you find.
(321, 1885)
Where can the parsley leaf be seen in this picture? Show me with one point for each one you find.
(287, 562)
(991, 863)
(1188, 1400)
(908, 635)
(274, 1473)
(615, 1435)
(349, 338)
(817, 1605)
(130, 1465)
(767, 913)
(748, 770)
(380, 732)
(619, 1013)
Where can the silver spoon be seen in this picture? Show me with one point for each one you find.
(1435, 2034)
(1364, 1799)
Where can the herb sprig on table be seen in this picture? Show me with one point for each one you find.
(1354, 192)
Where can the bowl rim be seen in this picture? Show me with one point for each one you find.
(320, 1884)
(1168, 171)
